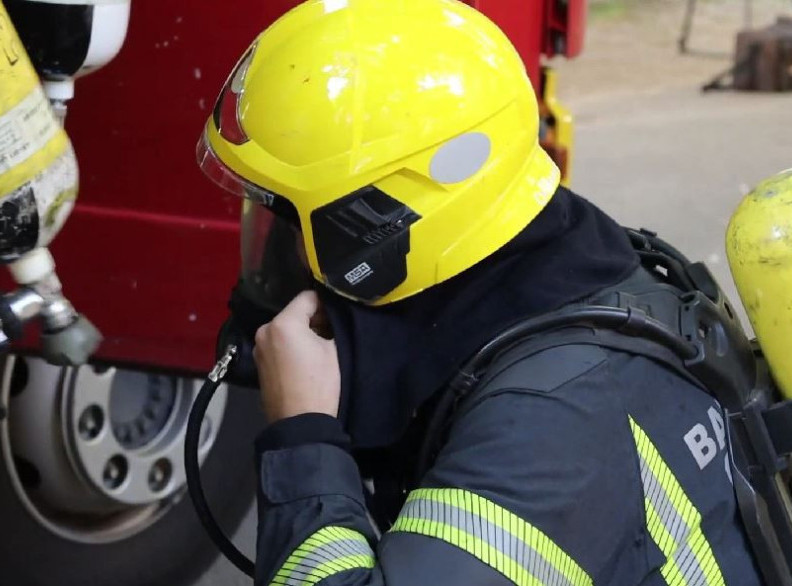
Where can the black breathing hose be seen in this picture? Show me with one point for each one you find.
(194, 487)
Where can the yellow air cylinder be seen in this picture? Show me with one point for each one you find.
(759, 247)
(38, 169)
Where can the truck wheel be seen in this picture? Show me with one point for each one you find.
(92, 483)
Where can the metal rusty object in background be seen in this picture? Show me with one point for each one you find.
(764, 58)
(759, 247)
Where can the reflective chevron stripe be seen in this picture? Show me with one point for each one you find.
(497, 537)
(673, 521)
(328, 551)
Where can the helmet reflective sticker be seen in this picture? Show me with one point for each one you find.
(546, 186)
(334, 5)
(460, 158)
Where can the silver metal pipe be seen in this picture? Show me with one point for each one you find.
(25, 303)
(57, 313)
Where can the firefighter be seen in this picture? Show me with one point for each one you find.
(395, 145)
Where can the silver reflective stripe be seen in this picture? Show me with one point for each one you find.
(673, 521)
(328, 551)
(677, 529)
(657, 495)
(688, 565)
(494, 535)
(326, 554)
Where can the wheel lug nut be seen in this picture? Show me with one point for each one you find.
(160, 475)
(115, 472)
(91, 422)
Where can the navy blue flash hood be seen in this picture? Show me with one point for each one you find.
(394, 357)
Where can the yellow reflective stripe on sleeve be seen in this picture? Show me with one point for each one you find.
(673, 521)
(494, 535)
(328, 551)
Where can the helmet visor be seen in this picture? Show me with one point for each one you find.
(221, 175)
(274, 269)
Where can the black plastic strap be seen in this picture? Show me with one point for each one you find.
(761, 441)
(778, 420)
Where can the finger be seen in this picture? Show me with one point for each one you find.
(303, 307)
(320, 323)
(260, 348)
(261, 336)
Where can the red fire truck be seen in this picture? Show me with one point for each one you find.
(91, 479)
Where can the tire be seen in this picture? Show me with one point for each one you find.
(174, 551)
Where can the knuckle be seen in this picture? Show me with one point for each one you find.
(278, 328)
(261, 336)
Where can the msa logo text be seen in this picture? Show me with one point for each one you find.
(703, 446)
(360, 272)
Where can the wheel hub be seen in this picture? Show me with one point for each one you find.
(140, 406)
(97, 454)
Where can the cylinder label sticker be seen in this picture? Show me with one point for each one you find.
(33, 214)
(25, 129)
(19, 223)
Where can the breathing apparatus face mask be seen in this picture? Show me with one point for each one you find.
(273, 269)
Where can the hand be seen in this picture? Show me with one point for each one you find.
(298, 369)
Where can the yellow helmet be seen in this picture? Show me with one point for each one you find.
(759, 246)
(401, 136)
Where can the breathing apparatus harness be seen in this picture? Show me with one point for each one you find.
(685, 322)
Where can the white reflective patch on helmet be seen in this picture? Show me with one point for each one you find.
(546, 187)
(460, 158)
(333, 5)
